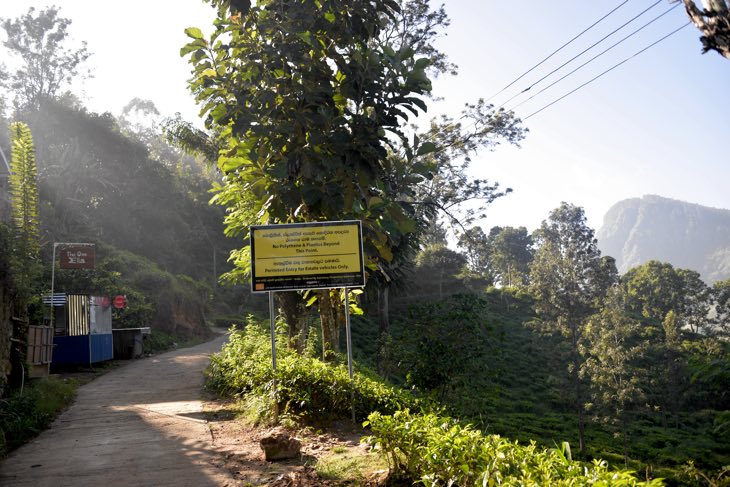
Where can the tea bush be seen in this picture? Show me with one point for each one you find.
(305, 385)
(437, 450)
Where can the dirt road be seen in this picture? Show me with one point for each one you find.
(139, 425)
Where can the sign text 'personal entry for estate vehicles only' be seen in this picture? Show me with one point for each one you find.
(306, 256)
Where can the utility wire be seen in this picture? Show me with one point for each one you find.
(559, 49)
(607, 71)
(596, 56)
(585, 50)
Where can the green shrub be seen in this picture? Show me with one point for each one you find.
(226, 321)
(438, 450)
(24, 416)
(305, 385)
(159, 341)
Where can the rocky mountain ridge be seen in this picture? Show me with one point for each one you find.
(687, 235)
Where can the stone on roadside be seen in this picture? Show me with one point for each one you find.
(280, 446)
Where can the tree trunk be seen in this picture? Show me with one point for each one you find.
(578, 393)
(715, 25)
(330, 328)
(625, 426)
(383, 310)
(383, 328)
(294, 312)
(581, 420)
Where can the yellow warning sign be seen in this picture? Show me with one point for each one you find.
(306, 256)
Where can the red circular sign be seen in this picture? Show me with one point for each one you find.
(120, 302)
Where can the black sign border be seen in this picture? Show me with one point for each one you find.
(293, 283)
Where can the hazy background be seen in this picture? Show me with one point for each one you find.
(656, 125)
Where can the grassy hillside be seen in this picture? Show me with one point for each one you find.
(516, 386)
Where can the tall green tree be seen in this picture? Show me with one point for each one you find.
(511, 254)
(310, 101)
(303, 98)
(24, 255)
(437, 269)
(656, 288)
(653, 290)
(474, 244)
(613, 351)
(673, 305)
(48, 66)
(721, 297)
(24, 190)
(696, 300)
(568, 280)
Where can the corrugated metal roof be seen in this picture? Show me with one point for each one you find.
(58, 299)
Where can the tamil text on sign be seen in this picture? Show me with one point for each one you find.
(306, 256)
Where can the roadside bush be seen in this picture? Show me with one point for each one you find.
(437, 450)
(22, 417)
(305, 385)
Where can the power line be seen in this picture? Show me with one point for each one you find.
(607, 71)
(559, 49)
(596, 56)
(586, 50)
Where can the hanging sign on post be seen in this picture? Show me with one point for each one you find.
(77, 257)
(306, 256)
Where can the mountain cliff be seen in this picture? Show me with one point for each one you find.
(686, 235)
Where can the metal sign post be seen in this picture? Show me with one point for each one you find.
(349, 351)
(272, 319)
(298, 256)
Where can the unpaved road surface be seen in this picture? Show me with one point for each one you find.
(139, 425)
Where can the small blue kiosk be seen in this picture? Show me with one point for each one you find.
(82, 329)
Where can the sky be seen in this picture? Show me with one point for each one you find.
(658, 124)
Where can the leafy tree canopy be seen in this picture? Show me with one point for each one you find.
(47, 66)
(310, 102)
(656, 288)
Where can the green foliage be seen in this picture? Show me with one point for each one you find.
(517, 387)
(568, 280)
(510, 255)
(613, 351)
(173, 304)
(351, 465)
(306, 386)
(444, 342)
(656, 288)
(159, 342)
(475, 247)
(438, 450)
(98, 184)
(23, 416)
(24, 190)
(709, 371)
(437, 271)
(310, 113)
(695, 476)
(47, 65)
(721, 295)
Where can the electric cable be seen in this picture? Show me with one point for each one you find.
(596, 56)
(607, 71)
(559, 49)
(585, 50)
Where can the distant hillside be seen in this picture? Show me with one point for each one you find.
(686, 235)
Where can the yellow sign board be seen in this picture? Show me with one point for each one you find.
(306, 256)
